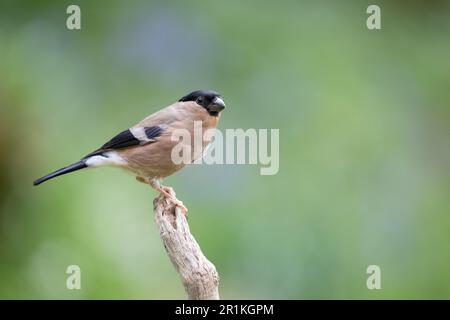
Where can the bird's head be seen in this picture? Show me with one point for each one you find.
(210, 100)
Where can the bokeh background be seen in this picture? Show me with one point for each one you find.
(364, 147)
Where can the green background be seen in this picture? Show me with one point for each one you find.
(364, 147)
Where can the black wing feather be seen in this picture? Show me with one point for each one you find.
(122, 140)
(153, 132)
(126, 139)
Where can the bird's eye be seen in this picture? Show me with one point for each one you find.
(200, 100)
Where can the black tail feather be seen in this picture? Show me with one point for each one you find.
(73, 167)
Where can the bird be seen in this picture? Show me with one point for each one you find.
(145, 149)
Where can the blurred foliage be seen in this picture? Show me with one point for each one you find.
(364, 164)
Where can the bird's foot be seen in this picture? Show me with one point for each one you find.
(169, 194)
(165, 191)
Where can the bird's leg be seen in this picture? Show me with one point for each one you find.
(155, 184)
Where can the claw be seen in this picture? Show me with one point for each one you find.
(165, 191)
(175, 201)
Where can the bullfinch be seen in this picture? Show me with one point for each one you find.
(146, 148)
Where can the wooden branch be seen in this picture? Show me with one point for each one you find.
(198, 274)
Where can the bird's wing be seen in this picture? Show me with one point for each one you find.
(134, 136)
(146, 131)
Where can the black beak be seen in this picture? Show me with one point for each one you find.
(217, 105)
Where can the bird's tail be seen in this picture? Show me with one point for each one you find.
(73, 167)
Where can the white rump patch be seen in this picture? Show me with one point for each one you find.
(110, 158)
